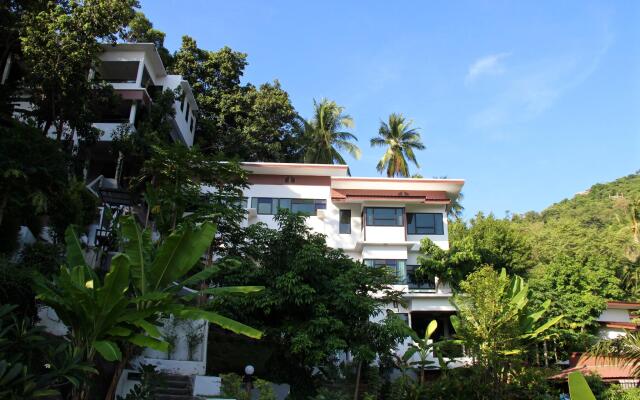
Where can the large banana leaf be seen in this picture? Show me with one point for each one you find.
(179, 253)
(108, 350)
(137, 245)
(221, 321)
(74, 253)
(116, 283)
(579, 388)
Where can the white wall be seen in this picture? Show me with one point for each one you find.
(614, 315)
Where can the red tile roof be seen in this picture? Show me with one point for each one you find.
(623, 305)
(609, 368)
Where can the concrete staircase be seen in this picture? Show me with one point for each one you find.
(175, 387)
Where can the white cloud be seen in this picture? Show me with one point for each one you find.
(488, 65)
(530, 89)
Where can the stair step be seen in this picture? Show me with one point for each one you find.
(174, 390)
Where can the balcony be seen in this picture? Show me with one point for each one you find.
(419, 282)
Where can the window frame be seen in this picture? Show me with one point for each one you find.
(276, 204)
(344, 227)
(398, 218)
(413, 228)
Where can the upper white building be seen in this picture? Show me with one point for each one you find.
(137, 74)
(380, 221)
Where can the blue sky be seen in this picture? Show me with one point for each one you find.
(530, 102)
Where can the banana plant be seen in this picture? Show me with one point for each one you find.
(423, 347)
(158, 278)
(515, 307)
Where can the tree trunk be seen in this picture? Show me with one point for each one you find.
(546, 353)
(111, 393)
(3, 205)
(358, 373)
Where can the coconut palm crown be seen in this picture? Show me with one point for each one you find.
(401, 140)
(325, 134)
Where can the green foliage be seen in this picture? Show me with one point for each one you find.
(141, 30)
(324, 136)
(60, 43)
(471, 383)
(33, 175)
(150, 381)
(496, 321)
(234, 387)
(31, 363)
(317, 301)
(251, 123)
(483, 241)
(401, 140)
(579, 388)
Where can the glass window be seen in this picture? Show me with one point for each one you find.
(304, 206)
(345, 221)
(270, 206)
(193, 124)
(425, 224)
(146, 78)
(265, 205)
(186, 112)
(118, 71)
(284, 203)
(380, 216)
(397, 266)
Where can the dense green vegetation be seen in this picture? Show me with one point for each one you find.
(310, 304)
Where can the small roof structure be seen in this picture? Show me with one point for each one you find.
(609, 368)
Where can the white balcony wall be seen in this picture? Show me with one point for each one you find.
(384, 234)
(182, 120)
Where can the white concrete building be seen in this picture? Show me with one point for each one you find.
(136, 72)
(380, 221)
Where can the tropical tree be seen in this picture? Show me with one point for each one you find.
(496, 322)
(623, 350)
(317, 301)
(324, 134)
(401, 140)
(141, 286)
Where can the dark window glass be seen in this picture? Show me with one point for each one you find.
(268, 205)
(118, 114)
(146, 78)
(424, 224)
(182, 101)
(186, 112)
(345, 221)
(397, 266)
(284, 203)
(379, 216)
(418, 280)
(193, 124)
(304, 206)
(118, 71)
(265, 205)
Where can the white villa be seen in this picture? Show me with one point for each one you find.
(380, 221)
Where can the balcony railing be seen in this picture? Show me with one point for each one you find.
(418, 282)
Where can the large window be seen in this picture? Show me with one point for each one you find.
(270, 206)
(345, 221)
(398, 267)
(424, 224)
(118, 71)
(379, 216)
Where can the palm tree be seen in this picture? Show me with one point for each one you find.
(324, 135)
(623, 350)
(401, 139)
